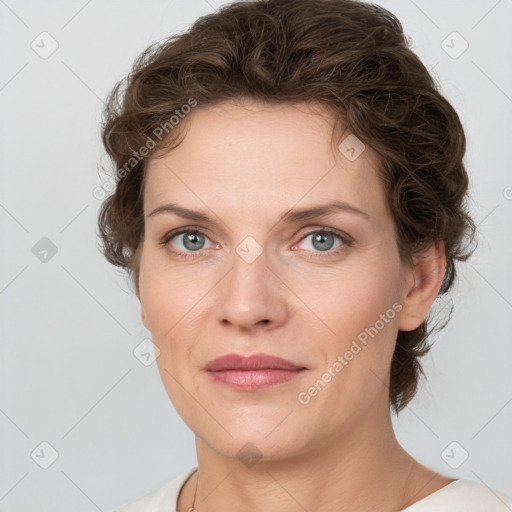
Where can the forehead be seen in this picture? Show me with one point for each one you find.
(255, 153)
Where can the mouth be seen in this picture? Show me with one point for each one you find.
(252, 373)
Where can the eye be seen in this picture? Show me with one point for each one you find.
(187, 240)
(323, 240)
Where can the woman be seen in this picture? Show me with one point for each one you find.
(290, 200)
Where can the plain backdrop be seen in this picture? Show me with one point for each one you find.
(70, 324)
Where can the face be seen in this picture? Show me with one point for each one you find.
(321, 290)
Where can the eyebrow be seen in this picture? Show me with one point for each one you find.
(290, 216)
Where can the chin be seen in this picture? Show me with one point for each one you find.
(250, 450)
(255, 439)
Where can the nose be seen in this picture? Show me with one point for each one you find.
(251, 296)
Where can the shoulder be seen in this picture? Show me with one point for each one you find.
(162, 499)
(463, 496)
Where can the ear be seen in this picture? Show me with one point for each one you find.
(423, 282)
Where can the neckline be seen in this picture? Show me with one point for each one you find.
(432, 495)
(410, 508)
(186, 477)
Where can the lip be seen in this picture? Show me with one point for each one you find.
(252, 362)
(251, 373)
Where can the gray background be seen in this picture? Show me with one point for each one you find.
(70, 324)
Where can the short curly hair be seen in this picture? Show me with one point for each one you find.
(348, 56)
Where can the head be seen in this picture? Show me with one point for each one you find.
(258, 112)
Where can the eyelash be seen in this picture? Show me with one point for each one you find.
(347, 241)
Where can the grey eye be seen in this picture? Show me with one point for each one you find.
(191, 240)
(323, 241)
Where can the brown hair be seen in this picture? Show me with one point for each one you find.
(346, 55)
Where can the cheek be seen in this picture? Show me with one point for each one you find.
(168, 301)
(167, 295)
(356, 305)
(354, 362)
(350, 299)
(171, 301)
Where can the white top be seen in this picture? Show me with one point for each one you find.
(458, 496)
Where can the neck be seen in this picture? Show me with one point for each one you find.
(358, 471)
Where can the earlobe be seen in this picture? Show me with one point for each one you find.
(424, 282)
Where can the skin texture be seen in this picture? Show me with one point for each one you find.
(244, 165)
